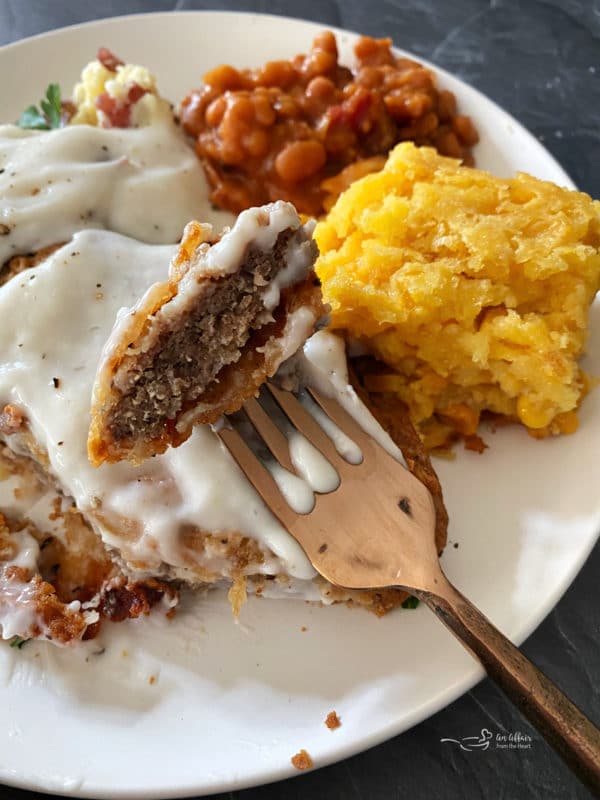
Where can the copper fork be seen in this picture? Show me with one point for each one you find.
(376, 530)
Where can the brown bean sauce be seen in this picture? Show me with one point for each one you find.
(279, 131)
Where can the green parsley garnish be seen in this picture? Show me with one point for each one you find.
(410, 602)
(18, 642)
(50, 115)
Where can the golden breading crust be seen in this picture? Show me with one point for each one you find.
(72, 565)
(17, 264)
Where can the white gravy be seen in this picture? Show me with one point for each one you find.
(87, 186)
(143, 182)
(75, 295)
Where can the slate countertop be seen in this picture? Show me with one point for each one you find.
(539, 59)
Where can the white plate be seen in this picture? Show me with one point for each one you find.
(231, 704)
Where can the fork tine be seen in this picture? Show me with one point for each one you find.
(272, 436)
(306, 424)
(257, 474)
(345, 422)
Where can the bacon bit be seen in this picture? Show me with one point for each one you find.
(118, 112)
(302, 760)
(108, 59)
(332, 721)
(120, 600)
(475, 443)
(352, 111)
(12, 419)
(116, 115)
(135, 93)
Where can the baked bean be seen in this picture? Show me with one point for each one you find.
(427, 125)
(465, 130)
(257, 143)
(286, 106)
(264, 113)
(287, 128)
(321, 89)
(232, 151)
(326, 41)
(403, 106)
(194, 110)
(215, 111)
(240, 108)
(447, 143)
(446, 105)
(223, 78)
(300, 160)
(374, 52)
(371, 77)
(319, 62)
(275, 73)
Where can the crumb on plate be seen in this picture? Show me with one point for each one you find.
(332, 721)
(302, 760)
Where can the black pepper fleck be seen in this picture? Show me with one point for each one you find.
(56, 382)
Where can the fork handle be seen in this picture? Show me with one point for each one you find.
(574, 737)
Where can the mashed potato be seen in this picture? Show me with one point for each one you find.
(473, 290)
(97, 79)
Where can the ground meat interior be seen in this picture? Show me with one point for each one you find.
(188, 355)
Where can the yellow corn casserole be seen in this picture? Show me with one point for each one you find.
(472, 290)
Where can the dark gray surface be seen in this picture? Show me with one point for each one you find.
(541, 61)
